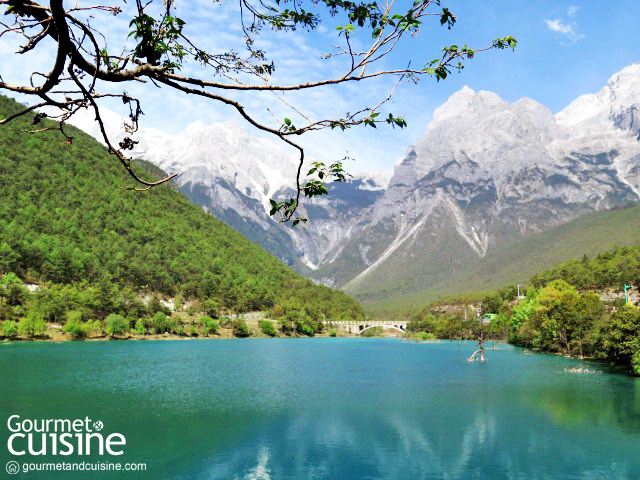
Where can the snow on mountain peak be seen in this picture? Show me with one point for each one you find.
(464, 102)
(614, 106)
(209, 153)
(480, 132)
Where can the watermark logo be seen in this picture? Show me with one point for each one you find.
(61, 437)
(12, 467)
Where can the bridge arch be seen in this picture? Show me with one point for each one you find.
(385, 327)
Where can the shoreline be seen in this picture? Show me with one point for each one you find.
(60, 338)
(155, 338)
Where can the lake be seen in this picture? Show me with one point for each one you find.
(328, 408)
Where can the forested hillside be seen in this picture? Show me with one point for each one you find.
(64, 221)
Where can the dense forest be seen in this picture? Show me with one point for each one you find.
(97, 249)
(562, 311)
(607, 270)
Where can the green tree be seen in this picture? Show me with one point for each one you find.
(9, 329)
(209, 325)
(50, 302)
(423, 322)
(75, 325)
(94, 327)
(8, 258)
(159, 322)
(491, 303)
(33, 324)
(116, 324)
(556, 316)
(12, 290)
(178, 302)
(75, 329)
(589, 312)
(139, 328)
(156, 306)
(210, 307)
(619, 339)
(75, 316)
(520, 333)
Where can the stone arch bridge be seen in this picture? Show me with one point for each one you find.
(361, 326)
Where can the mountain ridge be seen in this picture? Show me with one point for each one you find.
(485, 173)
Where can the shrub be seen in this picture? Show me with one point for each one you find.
(373, 332)
(139, 328)
(209, 325)
(75, 329)
(267, 328)
(426, 336)
(240, 328)
(306, 329)
(75, 325)
(333, 332)
(94, 327)
(116, 325)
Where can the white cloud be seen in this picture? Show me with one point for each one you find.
(566, 29)
(572, 10)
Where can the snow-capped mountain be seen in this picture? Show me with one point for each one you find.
(233, 175)
(485, 173)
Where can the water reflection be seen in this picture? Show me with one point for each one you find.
(398, 446)
(580, 401)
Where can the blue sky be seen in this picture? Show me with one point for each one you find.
(566, 48)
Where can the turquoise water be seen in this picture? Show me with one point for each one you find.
(328, 408)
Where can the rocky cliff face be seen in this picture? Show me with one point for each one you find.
(486, 172)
